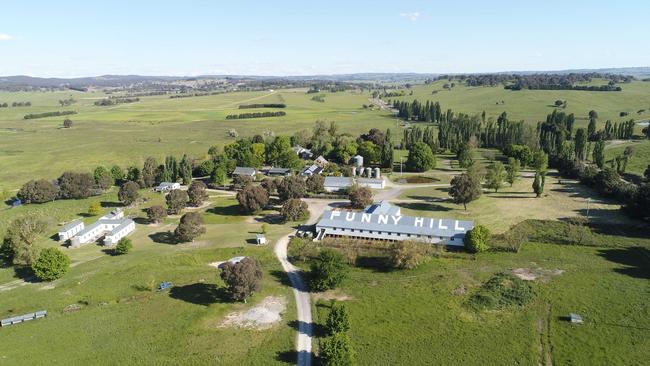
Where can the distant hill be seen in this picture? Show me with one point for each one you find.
(104, 81)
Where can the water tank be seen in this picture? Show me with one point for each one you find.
(377, 173)
(369, 172)
(354, 171)
(358, 160)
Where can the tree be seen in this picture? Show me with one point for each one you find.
(477, 239)
(219, 175)
(292, 187)
(19, 244)
(496, 174)
(103, 178)
(338, 319)
(76, 185)
(591, 129)
(67, 123)
(315, 183)
(149, 172)
(95, 208)
(599, 153)
(465, 156)
(386, 154)
(406, 254)
(38, 191)
(646, 173)
(205, 168)
(420, 158)
(271, 185)
(512, 170)
(134, 175)
(337, 351)
(128, 193)
(580, 144)
(538, 184)
(465, 189)
(280, 154)
(328, 270)
(197, 193)
(185, 170)
(243, 279)
(190, 227)
(369, 151)
(117, 174)
(156, 213)
(252, 198)
(294, 209)
(51, 264)
(360, 197)
(176, 201)
(540, 161)
(123, 246)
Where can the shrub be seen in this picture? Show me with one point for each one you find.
(338, 319)
(500, 291)
(316, 183)
(476, 240)
(294, 209)
(252, 198)
(360, 197)
(95, 208)
(128, 193)
(301, 249)
(51, 264)
(407, 254)
(420, 158)
(243, 279)
(328, 270)
(156, 213)
(19, 244)
(197, 193)
(123, 246)
(337, 351)
(38, 191)
(190, 227)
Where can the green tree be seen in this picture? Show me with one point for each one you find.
(360, 197)
(95, 208)
(465, 189)
(176, 201)
(51, 264)
(38, 191)
(258, 152)
(465, 156)
(123, 246)
(219, 175)
(369, 151)
(337, 351)
(476, 240)
(156, 213)
(19, 244)
(386, 155)
(292, 187)
(117, 174)
(420, 158)
(599, 153)
(243, 279)
(294, 209)
(128, 193)
(580, 144)
(189, 227)
(185, 169)
(538, 183)
(76, 185)
(338, 319)
(496, 174)
(197, 193)
(252, 198)
(407, 254)
(512, 171)
(315, 183)
(103, 178)
(328, 270)
(149, 172)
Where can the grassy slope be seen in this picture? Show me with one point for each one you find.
(534, 105)
(127, 133)
(413, 317)
(640, 157)
(126, 323)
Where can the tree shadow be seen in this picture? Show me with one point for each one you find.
(282, 277)
(25, 273)
(200, 294)
(108, 204)
(317, 330)
(497, 195)
(635, 259)
(164, 237)
(85, 214)
(427, 198)
(422, 206)
(378, 264)
(271, 219)
(141, 221)
(232, 210)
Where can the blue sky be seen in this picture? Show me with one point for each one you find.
(82, 38)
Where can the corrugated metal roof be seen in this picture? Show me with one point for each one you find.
(338, 182)
(382, 208)
(278, 170)
(125, 223)
(397, 224)
(244, 171)
(370, 181)
(70, 225)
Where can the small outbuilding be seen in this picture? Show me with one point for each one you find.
(260, 239)
(575, 318)
(245, 171)
(279, 172)
(166, 186)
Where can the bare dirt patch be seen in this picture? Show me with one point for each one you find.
(263, 316)
(529, 274)
(331, 295)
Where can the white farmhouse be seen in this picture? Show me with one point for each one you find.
(167, 186)
(112, 227)
(70, 229)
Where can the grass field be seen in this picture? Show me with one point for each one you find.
(420, 317)
(534, 105)
(122, 321)
(126, 134)
(640, 157)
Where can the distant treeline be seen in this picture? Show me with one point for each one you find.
(115, 100)
(519, 86)
(255, 115)
(16, 104)
(540, 81)
(263, 105)
(48, 114)
(188, 95)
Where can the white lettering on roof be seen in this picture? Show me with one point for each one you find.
(383, 219)
(366, 217)
(441, 226)
(419, 221)
(458, 228)
(334, 214)
(396, 219)
(349, 216)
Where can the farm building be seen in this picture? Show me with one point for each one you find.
(335, 184)
(321, 161)
(302, 152)
(383, 222)
(112, 227)
(260, 239)
(166, 187)
(371, 183)
(245, 171)
(312, 170)
(70, 229)
(282, 172)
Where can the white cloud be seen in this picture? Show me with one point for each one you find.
(5, 37)
(412, 16)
